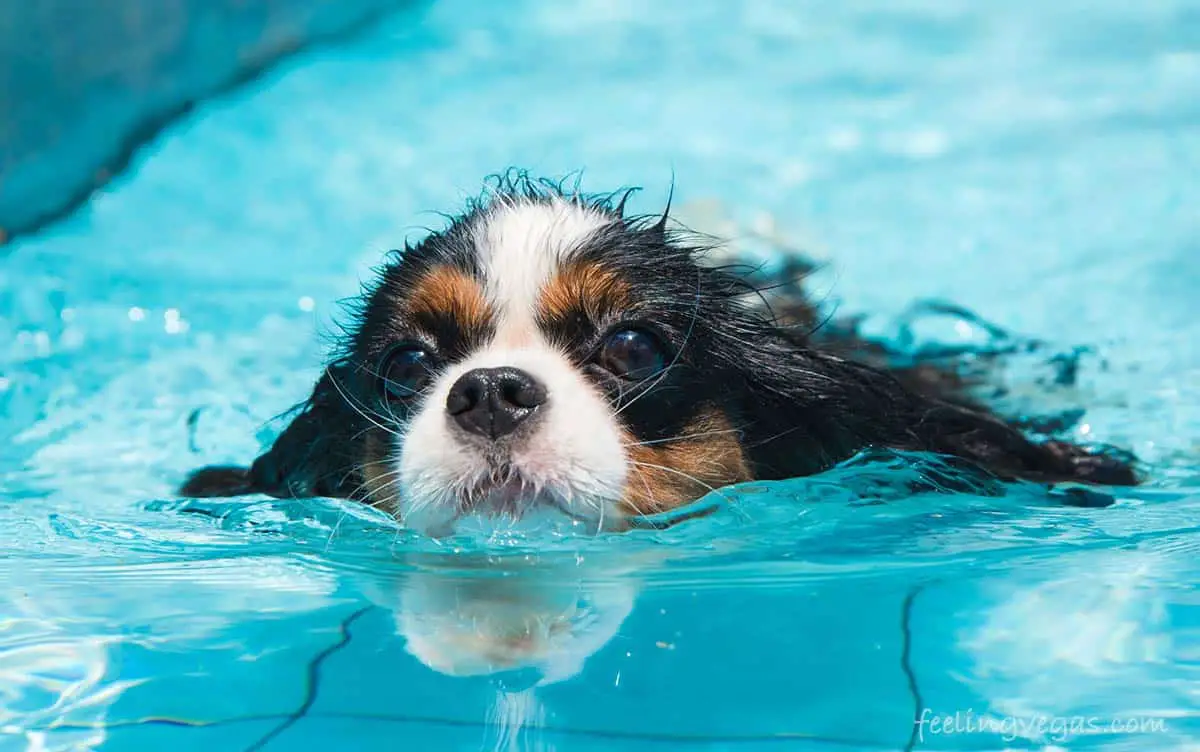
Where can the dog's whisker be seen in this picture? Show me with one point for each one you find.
(675, 471)
(354, 405)
(683, 437)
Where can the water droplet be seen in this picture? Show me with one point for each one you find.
(173, 323)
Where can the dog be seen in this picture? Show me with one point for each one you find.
(547, 350)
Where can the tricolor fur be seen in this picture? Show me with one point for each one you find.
(523, 300)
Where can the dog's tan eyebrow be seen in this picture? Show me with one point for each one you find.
(444, 292)
(583, 287)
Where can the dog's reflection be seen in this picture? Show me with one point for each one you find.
(540, 617)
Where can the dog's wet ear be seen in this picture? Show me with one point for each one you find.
(318, 454)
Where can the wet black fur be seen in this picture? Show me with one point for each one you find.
(802, 396)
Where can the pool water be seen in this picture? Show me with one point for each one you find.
(1034, 162)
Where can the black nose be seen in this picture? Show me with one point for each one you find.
(492, 402)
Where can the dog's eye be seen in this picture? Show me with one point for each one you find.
(633, 354)
(406, 370)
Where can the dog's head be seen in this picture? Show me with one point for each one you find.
(545, 350)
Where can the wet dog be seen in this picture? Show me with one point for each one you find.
(548, 351)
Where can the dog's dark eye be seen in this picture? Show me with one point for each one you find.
(633, 354)
(406, 370)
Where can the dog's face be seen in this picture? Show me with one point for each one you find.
(544, 351)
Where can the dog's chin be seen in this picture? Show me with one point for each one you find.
(504, 494)
(508, 500)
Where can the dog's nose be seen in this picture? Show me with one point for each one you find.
(492, 402)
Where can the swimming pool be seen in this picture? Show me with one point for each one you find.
(1035, 162)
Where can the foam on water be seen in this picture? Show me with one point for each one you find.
(1034, 162)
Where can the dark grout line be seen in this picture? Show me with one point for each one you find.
(783, 737)
(154, 124)
(313, 685)
(906, 666)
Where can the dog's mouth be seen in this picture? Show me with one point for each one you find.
(507, 492)
(504, 493)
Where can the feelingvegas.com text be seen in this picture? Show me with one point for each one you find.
(1051, 728)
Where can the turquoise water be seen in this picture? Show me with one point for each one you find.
(1035, 162)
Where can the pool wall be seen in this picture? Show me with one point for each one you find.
(83, 84)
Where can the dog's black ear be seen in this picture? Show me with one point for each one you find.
(809, 410)
(1003, 449)
(318, 454)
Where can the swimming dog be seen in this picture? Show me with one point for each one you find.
(549, 350)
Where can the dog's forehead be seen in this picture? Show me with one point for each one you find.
(521, 246)
(499, 274)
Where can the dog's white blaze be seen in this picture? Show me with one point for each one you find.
(575, 451)
(520, 246)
